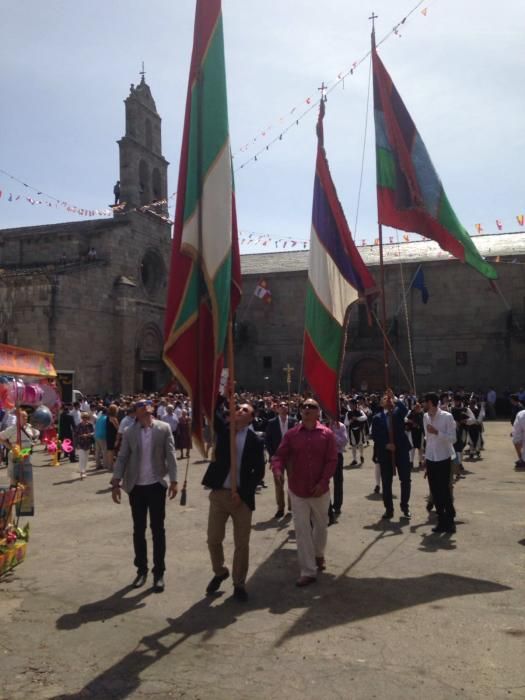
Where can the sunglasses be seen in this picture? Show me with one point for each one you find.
(307, 406)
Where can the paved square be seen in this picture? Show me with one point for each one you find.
(399, 613)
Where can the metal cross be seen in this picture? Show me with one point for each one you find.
(323, 90)
(373, 17)
(142, 72)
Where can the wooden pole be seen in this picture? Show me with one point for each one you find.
(383, 309)
(233, 442)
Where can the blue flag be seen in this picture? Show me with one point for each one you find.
(419, 283)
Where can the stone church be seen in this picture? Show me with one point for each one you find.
(467, 334)
(102, 315)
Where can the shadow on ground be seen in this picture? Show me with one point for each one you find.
(333, 601)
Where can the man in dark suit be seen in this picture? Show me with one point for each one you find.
(275, 431)
(237, 503)
(66, 429)
(392, 449)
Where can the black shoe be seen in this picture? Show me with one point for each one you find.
(139, 581)
(239, 593)
(377, 489)
(387, 515)
(331, 518)
(158, 584)
(353, 463)
(438, 529)
(430, 506)
(451, 529)
(337, 513)
(362, 460)
(279, 514)
(216, 581)
(406, 513)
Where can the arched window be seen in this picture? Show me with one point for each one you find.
(149, 136)
(157, 185)
(144, 189)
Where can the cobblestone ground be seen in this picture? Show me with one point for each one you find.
(399, 613)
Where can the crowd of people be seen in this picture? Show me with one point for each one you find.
(137, 439)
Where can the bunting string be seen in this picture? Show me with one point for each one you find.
(295, 115)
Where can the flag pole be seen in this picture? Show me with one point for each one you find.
(231, 399)
(373, 17)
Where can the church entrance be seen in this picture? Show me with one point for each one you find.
(149, 381)
(150, 369)
(367, 375)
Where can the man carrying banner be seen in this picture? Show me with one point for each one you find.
(238, 504)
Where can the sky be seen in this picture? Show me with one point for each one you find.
(67, 67)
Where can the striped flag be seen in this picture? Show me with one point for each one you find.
(337, 277)
(410, 195)
(261, 291)
(205, 281)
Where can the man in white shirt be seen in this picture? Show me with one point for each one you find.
(147, 456)
(440, 433)
(170, 418)
(275, 431)
(518, 438)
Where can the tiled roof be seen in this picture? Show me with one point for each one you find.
(503, 244)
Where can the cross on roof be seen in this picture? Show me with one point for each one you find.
(142, 72)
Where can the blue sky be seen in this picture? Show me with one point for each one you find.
(67, 67)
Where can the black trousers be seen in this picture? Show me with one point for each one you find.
(142, 499)
(438, 474)
(387, 475)
(338, 485)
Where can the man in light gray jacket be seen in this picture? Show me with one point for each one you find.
(146, 456)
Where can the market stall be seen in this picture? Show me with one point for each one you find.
(26, 380)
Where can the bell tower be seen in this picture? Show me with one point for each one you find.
(143, 169)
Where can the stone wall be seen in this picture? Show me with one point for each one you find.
(463, 315)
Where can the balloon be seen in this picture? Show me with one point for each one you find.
(41, 418)
(33, 395)
(51, 397)
(67, 447)
(51, 447)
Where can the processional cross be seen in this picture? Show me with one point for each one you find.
(288, 369)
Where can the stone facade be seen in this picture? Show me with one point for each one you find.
(103, 317)
(467, 335)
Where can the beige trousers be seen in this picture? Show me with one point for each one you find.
(310, 518)
(279, 494)
(222, 508)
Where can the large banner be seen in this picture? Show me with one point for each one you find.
(15, 360)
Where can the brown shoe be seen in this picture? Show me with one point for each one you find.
(305, 581)
(321, 564)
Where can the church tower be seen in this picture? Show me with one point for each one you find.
(143, 169)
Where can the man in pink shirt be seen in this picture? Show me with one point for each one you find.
(308, 453)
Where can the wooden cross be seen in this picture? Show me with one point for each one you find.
(288, 371)
(373, 17)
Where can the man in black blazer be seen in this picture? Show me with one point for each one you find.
(237, 504)
(275, 431)
(66, 429)
(392, 449)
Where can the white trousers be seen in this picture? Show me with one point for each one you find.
(354, 451)
(310, 517)
(82, 460)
